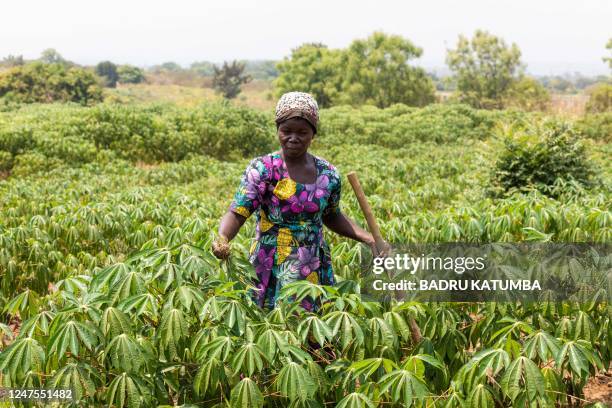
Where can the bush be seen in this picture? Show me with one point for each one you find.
(6, 161)
(600, 99)
(398, 125)
(40, 82)
(527, 94)
(541, 156)
(32, 163)
(597, 126)
(129, 74)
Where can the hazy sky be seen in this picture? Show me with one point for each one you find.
(555, 36)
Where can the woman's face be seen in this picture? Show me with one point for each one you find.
(295, 136)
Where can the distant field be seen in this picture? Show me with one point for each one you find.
(254, 94)
(259, 94)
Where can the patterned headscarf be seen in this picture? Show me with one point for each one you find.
(297, 104)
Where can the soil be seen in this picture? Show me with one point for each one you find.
(599, 388)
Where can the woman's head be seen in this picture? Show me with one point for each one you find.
(297, 116)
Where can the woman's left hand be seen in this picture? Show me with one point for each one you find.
(384, 252)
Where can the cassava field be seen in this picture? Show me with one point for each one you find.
(108, 286)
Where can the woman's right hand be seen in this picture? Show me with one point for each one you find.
(221, 247)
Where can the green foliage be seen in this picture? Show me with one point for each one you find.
(311, 68)
(485, 69)
(107, 263)
(597, 126)
(373, 71)
(541, 156)
(51, 56)
(228, 79)
(108, 71)
(204, 68)
(12, 61)
(129, 74)
(600, 99)
(39, 82)
(527, 94)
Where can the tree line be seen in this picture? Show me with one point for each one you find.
(487, 72)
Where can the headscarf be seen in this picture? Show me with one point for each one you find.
(297, 104)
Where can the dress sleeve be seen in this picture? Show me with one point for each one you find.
(252, 186)
(333, 203)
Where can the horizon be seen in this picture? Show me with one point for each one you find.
(555, 37)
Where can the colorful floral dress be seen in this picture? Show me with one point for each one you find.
(288, 243)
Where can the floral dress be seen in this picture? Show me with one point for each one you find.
(288, 243)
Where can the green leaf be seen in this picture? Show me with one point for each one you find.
(20, 357)
(125, 354)
(404, 386)
(345, 326)
(246, 394)
(79, 377)
(172, 329)
(523, 375)
(128, 391)
(294, 382)
(248, 359)
(316, 327)
(369, 366)
(70, 336)
(542, 345)
(355, 400)
(210, 378)
(115, 322)
(481, 397)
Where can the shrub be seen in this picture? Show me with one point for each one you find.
(527, 94)
(597, 126)
(129, 74)
(32, 163)
(600, 99)
(40, 82)
(540, 156)
(6, 161)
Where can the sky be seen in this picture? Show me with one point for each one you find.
(555, 36)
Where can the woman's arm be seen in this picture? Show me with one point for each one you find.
(228, 228)
(230, 224)
(342, 225)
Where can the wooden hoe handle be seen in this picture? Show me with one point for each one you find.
(367, 211)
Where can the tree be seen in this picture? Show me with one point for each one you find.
(228, 79)
(204, 68)
(108, 71)
(12, 61)
(129, 74)
(311, 68)
(485, 68)
(600, 98)
(376, 72)
(51, 56)
(40, 82)
(609, 59)
(527, 94)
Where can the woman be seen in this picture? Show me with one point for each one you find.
(293, 194)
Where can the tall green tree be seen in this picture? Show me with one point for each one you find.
(129, 74)
(485, 69)
(376, 72)
(108, 71)
(229, 78)
(51, 56)
(312, 68)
